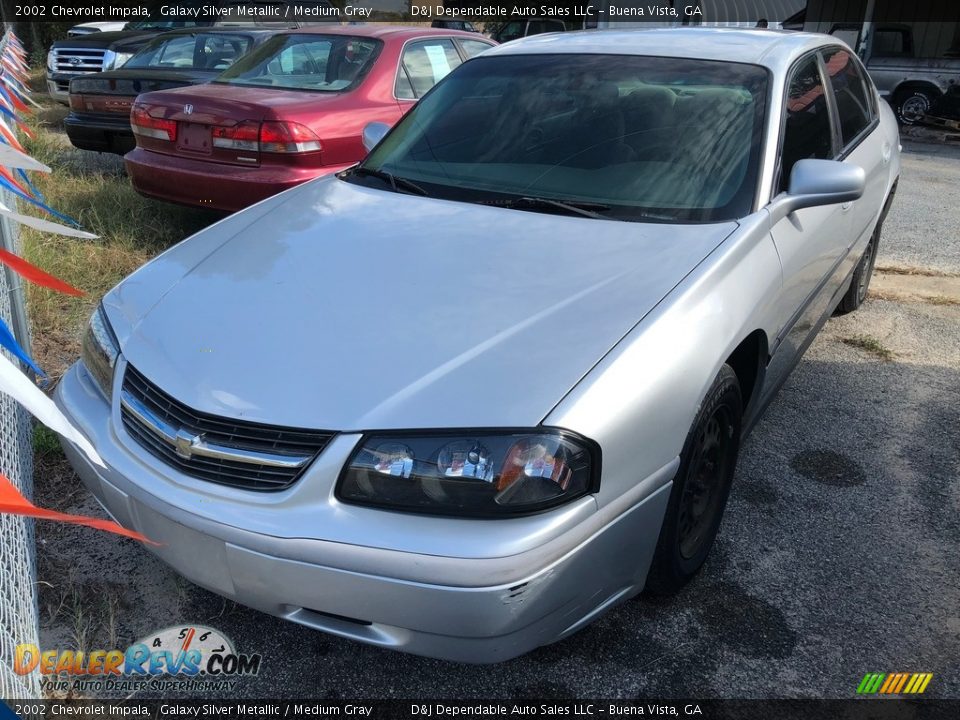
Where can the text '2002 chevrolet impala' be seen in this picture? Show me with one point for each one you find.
(464, 397)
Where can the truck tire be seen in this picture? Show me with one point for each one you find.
(912, 103)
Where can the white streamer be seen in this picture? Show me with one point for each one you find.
(45, 225)
(13, 158)
(18, 386)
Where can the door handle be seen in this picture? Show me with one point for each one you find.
(886, 152)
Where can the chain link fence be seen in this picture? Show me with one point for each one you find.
(18, 569)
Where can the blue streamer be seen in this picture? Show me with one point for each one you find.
(10, 343)
(43, 206)
(12, 85)
(4, 92)
(33, 188)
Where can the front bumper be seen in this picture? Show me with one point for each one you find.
(471, 609)
(100, 134)
(58, 85)
(219, 186)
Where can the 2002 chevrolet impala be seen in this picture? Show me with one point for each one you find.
(466, 396)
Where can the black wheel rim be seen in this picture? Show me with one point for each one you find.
(914, 108)
(703, 489)
(869, 259)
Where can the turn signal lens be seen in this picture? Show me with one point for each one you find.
(158, 128)
(479, 473)
(100, 351)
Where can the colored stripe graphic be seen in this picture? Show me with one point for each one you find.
(894, 683)
(870, 683)
(918, 683)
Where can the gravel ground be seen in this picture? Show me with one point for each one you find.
(923, 227)
(839, 553)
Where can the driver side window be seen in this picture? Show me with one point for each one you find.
(807, 131)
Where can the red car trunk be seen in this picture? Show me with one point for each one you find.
(227, 144)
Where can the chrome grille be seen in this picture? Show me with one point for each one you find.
(78, 60)
(229, 452)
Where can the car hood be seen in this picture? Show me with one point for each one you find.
(341, 307)
(105, 39)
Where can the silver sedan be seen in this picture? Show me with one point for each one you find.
(463, 398)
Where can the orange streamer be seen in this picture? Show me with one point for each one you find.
(13, 503)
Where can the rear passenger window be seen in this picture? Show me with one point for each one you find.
(807, 133)
(423, 65)
(853, 107)
(474, 47)
(891, 43)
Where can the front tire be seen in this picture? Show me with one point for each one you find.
(701, 487)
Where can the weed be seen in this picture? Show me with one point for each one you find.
(870, 345)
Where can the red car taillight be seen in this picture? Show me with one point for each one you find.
(144, 124)
(270, 137)
(242, 136)
(287, 137)
(76, 101)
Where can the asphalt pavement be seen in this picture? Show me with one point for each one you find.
(925, 228)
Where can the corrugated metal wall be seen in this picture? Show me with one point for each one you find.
(935, 23)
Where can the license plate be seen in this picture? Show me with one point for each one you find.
(195, 138)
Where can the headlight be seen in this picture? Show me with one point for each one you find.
(50, 66)
(119, 59)
(100, 351)
(477, 473)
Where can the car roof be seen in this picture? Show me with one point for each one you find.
(774, 49)
(402, 32)
(218, 29)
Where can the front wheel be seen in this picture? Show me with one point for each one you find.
(701, 487)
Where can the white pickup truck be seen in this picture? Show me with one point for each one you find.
(92, 27)
(910, 67)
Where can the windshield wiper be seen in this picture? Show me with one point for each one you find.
(396, 183)
(568, 207)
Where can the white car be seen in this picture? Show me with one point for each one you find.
(93, 27)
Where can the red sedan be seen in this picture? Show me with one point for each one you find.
(289, 111)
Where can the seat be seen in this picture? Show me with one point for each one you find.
(648, 115)
(713, 141)
(596, 137)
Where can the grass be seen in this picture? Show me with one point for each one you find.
(93, 189)
(942, 300)
(869, 345)
(46, 442)
(909, 270)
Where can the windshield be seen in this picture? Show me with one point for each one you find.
(325, 63)
(632, 138)
(204, 51)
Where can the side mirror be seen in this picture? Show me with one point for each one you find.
(373, 133)
(818, 182)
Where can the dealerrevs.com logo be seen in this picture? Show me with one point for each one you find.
(180, 657)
